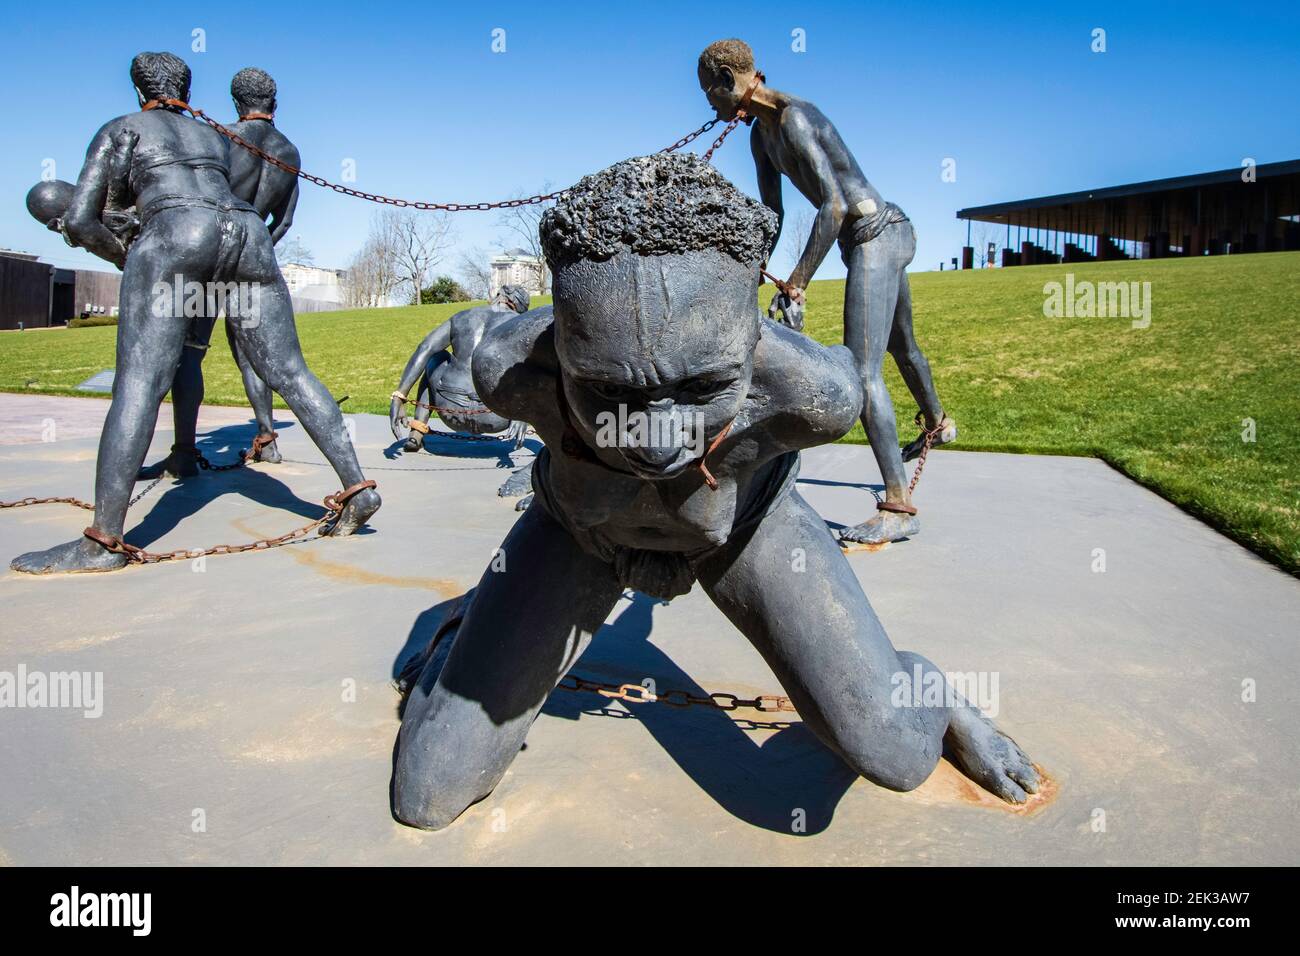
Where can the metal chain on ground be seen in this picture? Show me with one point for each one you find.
(407, 203)
(640, 694)
(334, 504)
(75, 502)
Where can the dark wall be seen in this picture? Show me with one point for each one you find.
(96, 292)
(24, 293)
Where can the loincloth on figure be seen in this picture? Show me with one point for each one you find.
(668, 574)
(233, 225)
(863, 229)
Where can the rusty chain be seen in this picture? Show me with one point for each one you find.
(407, 203)
(930, 435)
(333, 503)
(640, 694)
(75, 502)
(438, 408)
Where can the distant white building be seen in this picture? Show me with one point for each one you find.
(517, 267)
(313, 289)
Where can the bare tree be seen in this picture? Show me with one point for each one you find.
(521, 226)
(474, 272)
(795, 230)
(417, 240)
(373, 275)
(981, 236)
(293, 250)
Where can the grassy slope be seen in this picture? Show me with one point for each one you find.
(1165, 404)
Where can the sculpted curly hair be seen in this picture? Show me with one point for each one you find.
(161, 76)
(732, 54)
(253, 88)
(656, 205)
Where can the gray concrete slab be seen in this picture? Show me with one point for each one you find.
(227, 686)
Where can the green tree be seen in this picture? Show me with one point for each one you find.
(444, 289)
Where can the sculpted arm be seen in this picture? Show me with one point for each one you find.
(435, 341)
(282, 215)
(82, 224)
(802, 137)
(769, 183)
(515, 370)
(282, 218)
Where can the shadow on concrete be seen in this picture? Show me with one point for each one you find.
(827, 483)
(473, 447)
(187, 497)
(789, 784)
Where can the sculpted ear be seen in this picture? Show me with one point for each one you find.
(726, 78)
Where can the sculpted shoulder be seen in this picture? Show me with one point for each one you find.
(812, 392)
(514, 366)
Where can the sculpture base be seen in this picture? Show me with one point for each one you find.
(277, 716)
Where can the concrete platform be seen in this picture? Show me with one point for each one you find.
(227, 687)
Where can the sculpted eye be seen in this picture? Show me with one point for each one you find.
(707, 388)
(608, 390)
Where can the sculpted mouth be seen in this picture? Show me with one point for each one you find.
(668, 469)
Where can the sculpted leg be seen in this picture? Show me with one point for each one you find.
(527, 625)
(870, 298)
(148, 350)
(187, 396)
(266, 335)
(415, 441)
(818, 633)
(259, 397)
(915, 369)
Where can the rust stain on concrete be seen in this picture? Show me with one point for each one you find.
(311, 558)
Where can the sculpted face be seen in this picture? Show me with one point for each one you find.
(720, 89)
(656, 353)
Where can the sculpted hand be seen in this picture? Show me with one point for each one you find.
(790, 307)
(397, 418)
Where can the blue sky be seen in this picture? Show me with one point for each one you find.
(413, 93)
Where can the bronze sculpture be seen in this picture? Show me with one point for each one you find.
(791, 137)
(438, 375)
(273, 192)
(193, 229)
(656, 268)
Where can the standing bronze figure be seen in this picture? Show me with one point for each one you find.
(194, 233)
(791, 137)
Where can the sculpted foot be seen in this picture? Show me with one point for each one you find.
(80, 555)
(523, 503)
(947, 435)
(884, 526)
(990, 757)
(355, 513)
(268, 453)
(519, 483)
(412, 444)
(181, 463)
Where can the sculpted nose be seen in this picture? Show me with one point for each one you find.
(656, 436)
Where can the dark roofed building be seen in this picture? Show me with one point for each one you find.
(1247, 209)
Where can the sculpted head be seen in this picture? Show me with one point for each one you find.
(253, 91)
(160, 76)
(655, 264)
(726, 70)
(513, 297)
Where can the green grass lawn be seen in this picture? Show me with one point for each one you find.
(1164, 404)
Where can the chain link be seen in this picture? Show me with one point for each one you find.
(438, 408)
(640, 694)
(415, 204)
(930, 435)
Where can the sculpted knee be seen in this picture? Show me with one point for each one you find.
(900, 760)
(423, 807)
